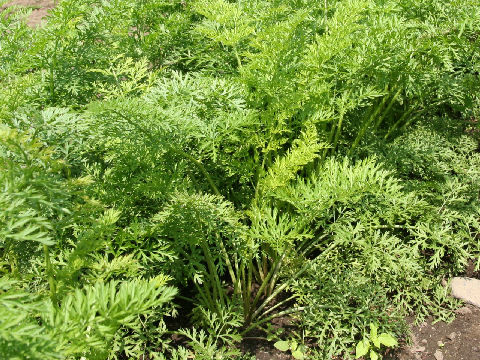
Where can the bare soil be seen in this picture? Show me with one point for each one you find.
(263, 350)
(459, 340)
(256, 344)
(40, 9)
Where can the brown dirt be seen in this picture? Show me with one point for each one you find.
(458, 340)
(470, 270)
(429, 338)
(263, 350)
(40, 9)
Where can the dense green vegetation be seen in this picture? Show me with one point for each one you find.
(198, 168)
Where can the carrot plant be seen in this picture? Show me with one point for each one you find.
(176, 175)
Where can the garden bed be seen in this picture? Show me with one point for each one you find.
(39, 9)
(217, 179)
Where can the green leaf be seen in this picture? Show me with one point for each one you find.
(303, 151)
(282, 345)
(373, 355)
(362, 348)
(297, 354)
(387, 340)
(373, 335)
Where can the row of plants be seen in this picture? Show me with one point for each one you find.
(178, 175)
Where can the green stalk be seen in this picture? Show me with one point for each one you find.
(51, 280)
(260, 270)
(212, 286)
(282, 313)
(264, 265)
(277, 305)
(409, 121)
(366, 124)
(239, 62)
(337, 132)
(306, 245)
(398, 122)
(205, 291)
(237, 286)
(278, 290)
(200, 167)
(185, 298)
(329, 140)
(387, 110)
(256, 273)
(409, 112)
(227, 259)
(335, 129)
(258, 172)
(245, 295)
(285, 284)
(275, 274)
(217, 288)
(266, 282)
(207, 298)
(249, 290)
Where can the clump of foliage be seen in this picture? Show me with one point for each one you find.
(234, 162)
(373, 343)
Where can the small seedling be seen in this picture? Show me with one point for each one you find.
(298, 351)
(273, 333)
(372, 345)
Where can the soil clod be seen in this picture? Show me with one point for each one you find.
(438, 355)
(466, 289)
